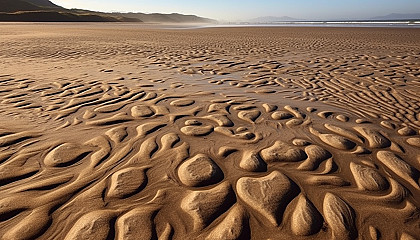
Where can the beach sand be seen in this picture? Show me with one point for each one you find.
(117, 131)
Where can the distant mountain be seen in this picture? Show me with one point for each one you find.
(398, 16)
(271, 19)
(165, 18)
(46, 11)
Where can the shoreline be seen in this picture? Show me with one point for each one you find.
(203, 25)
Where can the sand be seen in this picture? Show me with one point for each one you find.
(117, 131)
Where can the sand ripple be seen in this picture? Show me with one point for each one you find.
(209, 133)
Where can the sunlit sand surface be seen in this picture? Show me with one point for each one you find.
(116, 131)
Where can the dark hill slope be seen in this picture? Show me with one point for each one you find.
(43, 3)
(46, 11)
(52, 16)
(10, 6)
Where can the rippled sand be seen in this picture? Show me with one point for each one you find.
(116, 131)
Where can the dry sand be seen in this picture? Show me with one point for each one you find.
(114, 131)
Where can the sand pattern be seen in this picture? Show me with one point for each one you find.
(197, 136)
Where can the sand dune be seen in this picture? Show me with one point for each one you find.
(120, 132)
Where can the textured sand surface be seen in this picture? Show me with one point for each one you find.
(111, 131)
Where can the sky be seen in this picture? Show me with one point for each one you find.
(233, 10)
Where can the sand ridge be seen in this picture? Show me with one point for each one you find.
(254, 133)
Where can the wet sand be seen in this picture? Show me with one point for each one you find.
(116, 131)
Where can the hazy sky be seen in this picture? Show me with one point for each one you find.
(247, 9)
